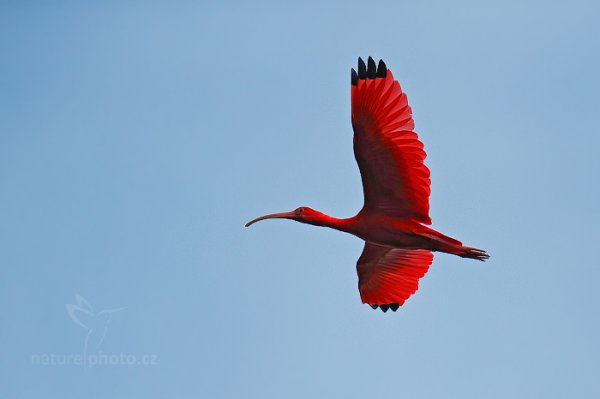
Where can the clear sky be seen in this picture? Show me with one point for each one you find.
(137, 138)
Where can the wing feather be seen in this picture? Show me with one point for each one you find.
(387, 277)
(388, 152)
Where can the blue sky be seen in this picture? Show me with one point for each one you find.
(137, 139)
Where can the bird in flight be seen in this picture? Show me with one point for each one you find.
(395, 216)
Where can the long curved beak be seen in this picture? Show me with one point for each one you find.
(282, 215)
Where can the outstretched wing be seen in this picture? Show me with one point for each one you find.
(388, 151)
(388, 276)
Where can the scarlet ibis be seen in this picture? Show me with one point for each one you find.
(394, 218)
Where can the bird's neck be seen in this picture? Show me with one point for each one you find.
(344, 225)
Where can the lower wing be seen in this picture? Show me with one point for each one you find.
(388, 276)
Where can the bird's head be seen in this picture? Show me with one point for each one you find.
(303, 214)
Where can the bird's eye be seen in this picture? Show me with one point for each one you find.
(301, 210)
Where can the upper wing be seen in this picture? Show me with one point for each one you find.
(389, 154)
(388, 276)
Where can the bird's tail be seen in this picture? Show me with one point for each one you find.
(451, 245)
(472, 253)
(463, 252)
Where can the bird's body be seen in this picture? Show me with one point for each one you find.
(393, 221)
(391, 232)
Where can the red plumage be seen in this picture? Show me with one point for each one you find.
(388, 151)
(393, 221)
(388, 276)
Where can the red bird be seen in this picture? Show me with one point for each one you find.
(398, 244)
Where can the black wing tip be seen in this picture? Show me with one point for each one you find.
(384, 308)
(381, 69)
(369, 70)
(362, 69)
(353, 77)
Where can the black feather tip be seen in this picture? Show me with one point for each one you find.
(371, 68)
(353, 77)
(385, 307)
(362, 69)
(381, 69)
(368, 70)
